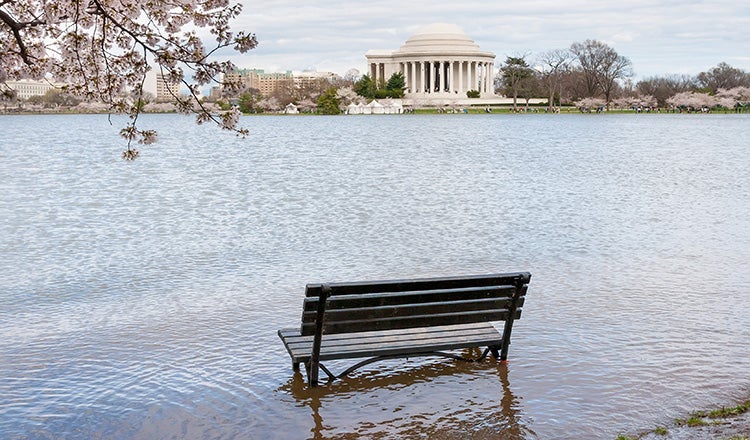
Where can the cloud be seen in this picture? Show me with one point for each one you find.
(660, 36)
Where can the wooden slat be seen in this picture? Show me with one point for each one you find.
(360, 287)
(293, 337)
(382, 343)
(411, 297)
(409, 322)
(366, 314)
(367, 345)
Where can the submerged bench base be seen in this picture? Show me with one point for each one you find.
(393, 344)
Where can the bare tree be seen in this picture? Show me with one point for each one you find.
(553, 66)
(602, 67)
(723, 76)
(662, 88)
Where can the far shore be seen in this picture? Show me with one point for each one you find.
(428, 111)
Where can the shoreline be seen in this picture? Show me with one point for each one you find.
(727, 423)
(423, 111)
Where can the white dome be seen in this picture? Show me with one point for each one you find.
(439, 37)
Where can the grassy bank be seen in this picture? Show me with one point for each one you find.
(726, 423)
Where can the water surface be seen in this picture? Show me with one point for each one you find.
(141, 300)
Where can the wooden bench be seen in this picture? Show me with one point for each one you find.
(404, 318)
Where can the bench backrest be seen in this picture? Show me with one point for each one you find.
(400, 304)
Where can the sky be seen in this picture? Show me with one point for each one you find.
(660, 37)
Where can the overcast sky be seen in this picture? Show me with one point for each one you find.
(659, 36)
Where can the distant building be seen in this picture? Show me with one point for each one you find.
(269, 83)
(438, 62)
(311, 78)
(266, 83)
(166, 90)
(25, 88)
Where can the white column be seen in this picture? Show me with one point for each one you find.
(405, 73)
(427, 77)
(433, 76)
(489, 78)
(484, 77)
(421, 76)
(415, 73)
(460, 78)
(472, 75)
(441, 65)
(487, 74)
(430, 77)
(451, 86)
(412, 79)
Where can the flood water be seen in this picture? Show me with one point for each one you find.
(142, 300)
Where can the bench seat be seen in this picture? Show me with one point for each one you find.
(392, 342)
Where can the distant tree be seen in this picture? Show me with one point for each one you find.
(723, 76)
(350, 77)
(328, 103)
(366, 87)
(249, 100)
(513, 73)
(737, 97)
(635, 102)
(270, 104)
(396, 85)
(662, 88)
(54, 98)
(346, 96)
(587, 105)
(307, 105)
(602, 67)
(393, 88)
(530, 87)
(311, 89)
(160, 107)
(102, 47)
(554, 65)
(285, 93)
(692, 101)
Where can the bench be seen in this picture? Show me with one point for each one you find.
(404, 318)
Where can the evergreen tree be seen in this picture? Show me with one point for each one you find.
(396, 85)
(365, 87)
(514, 72)
(328, 103)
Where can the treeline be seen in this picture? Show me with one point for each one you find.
(592, 74)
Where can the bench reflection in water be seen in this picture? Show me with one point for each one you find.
(404, 399)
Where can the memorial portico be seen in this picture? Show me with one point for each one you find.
(438, 62)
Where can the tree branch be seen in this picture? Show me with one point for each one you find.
(16, 28)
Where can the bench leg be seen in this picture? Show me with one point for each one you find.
(495, 349)
(312, 374)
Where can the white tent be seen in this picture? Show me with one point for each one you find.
(393, 106)
(291, 109)
(375, 108)
(354, 109)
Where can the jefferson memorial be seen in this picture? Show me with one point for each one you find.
(439, 62)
